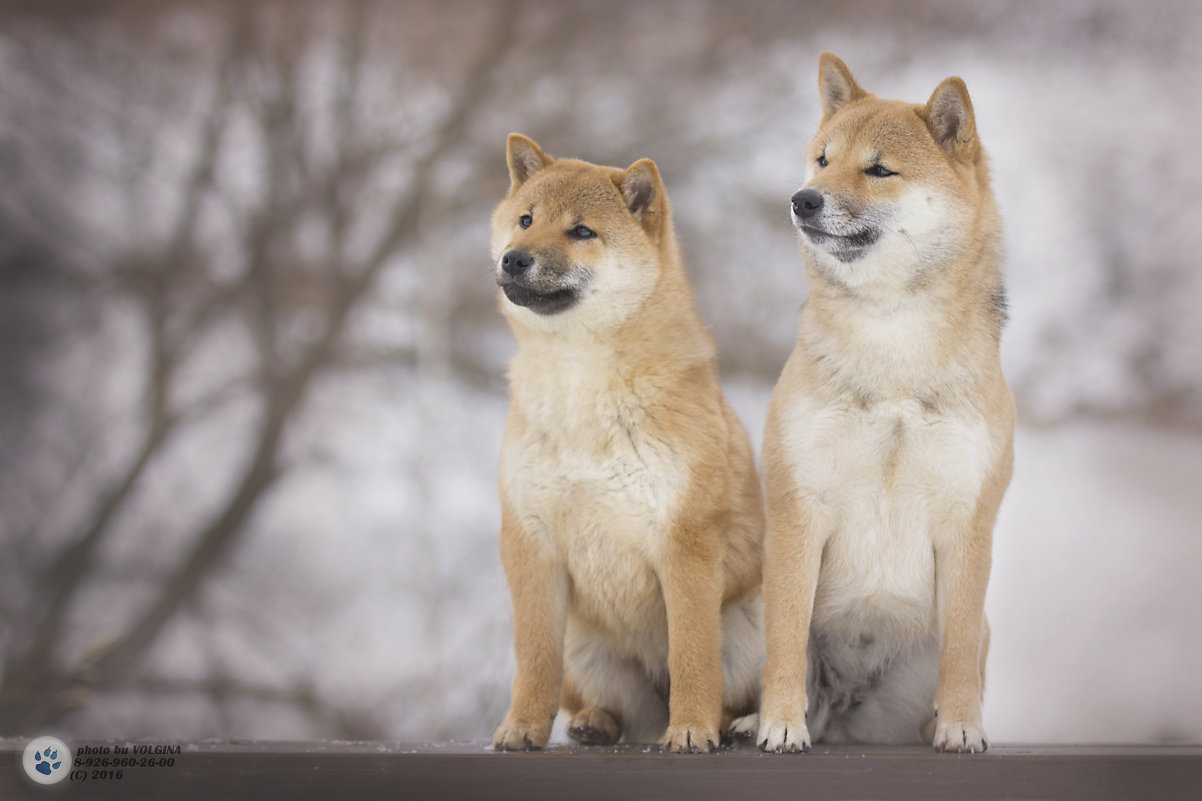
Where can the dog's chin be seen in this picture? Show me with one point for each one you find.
(844, 247)
(545, 303)
(847, 256)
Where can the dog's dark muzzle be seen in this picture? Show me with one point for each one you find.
(541, 302)
(524, 286)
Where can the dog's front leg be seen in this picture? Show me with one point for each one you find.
(538, 585)
(792, 559)
(692, 583)
(962, 564)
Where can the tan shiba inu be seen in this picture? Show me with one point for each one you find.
(889, 439)
(631, 513)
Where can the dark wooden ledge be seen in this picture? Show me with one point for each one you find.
(260, 770)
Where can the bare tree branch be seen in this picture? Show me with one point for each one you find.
(62, 581)
(35, 690)
(288, 391)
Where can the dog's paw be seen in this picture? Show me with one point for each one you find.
(594, 726)
(783, 736)
(744, 728)
(514, 735)
(689, 739)
(960, 737)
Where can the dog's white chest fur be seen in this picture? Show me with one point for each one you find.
(886, 480)
(591, 478)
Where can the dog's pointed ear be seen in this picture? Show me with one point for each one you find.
(950, 118)
(643, 192)
(836, 86)
(525, 158)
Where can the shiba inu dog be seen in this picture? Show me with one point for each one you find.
(889, 438)
(631, 511)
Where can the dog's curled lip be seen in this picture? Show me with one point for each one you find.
(854, 241)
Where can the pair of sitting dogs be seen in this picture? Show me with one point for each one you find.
(658, 594)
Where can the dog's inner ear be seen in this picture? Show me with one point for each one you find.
(950, 118)
(525, 158)
(640, 190)
(836, 86)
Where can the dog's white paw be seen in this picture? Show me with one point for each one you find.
(689, 739)
(783, 736)
(744, 728)
(960, 737)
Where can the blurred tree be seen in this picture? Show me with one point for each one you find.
(294, 305)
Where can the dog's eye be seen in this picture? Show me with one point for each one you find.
(582, 232)
(822, 162)
(525, 221)
(877, 171)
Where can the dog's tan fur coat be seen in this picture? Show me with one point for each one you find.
(632, 517)
(889, 439)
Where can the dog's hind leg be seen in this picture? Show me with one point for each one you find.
(742, 663)
(616, 698)
(897, 704)
(587, 725)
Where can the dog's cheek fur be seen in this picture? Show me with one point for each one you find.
(625, 284)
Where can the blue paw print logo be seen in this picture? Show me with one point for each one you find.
(47, 760)
(43, 762)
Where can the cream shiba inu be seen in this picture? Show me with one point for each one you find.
(631, 514)
(889, 438)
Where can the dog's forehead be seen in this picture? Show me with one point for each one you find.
(880, 125)
(569, 190)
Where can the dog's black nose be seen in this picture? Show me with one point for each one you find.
(807, 203)
(516, 262)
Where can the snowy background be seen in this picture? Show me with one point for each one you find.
(251, 369)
